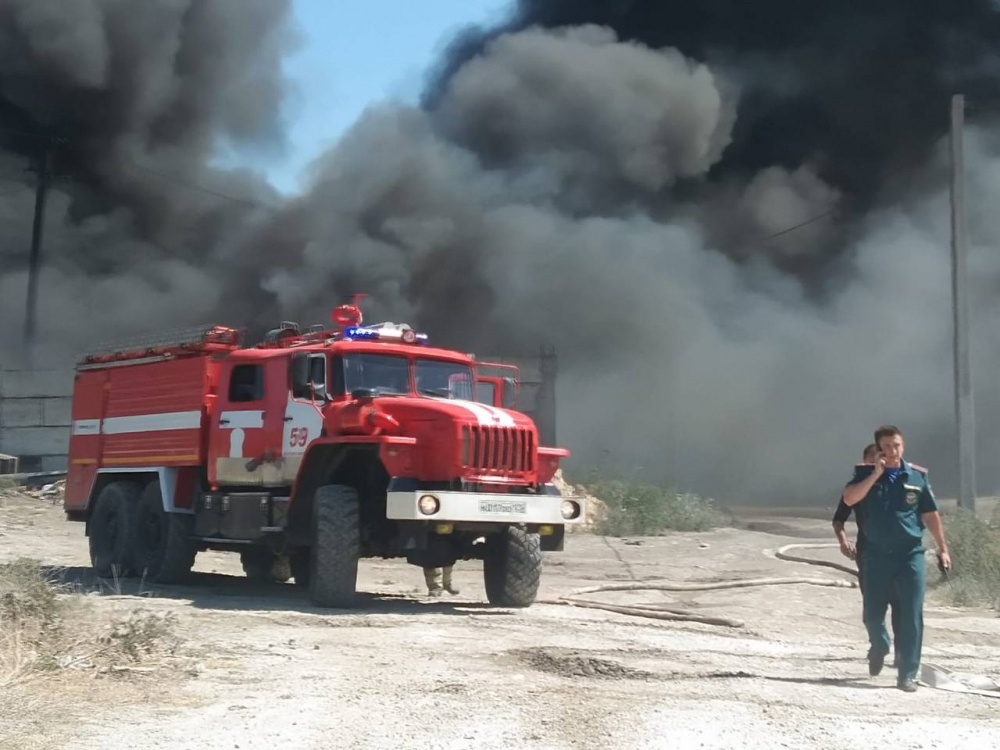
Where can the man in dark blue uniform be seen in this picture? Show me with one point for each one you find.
(894, 503)
(856, 551)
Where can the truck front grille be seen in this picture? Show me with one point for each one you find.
(498, 450)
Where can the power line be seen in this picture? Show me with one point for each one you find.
(32, 134)
(167, 178)
(256, 204)
(801, 224)
(199, 188)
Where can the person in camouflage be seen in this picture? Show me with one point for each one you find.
(439, 580)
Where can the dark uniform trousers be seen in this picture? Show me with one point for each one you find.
(896, 579)
(859, 560)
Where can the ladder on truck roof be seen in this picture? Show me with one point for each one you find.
(184, 342)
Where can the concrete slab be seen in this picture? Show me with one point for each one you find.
(36, 383)
(34, 441)
(21, 412)
(56, 412)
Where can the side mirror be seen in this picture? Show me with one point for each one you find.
(300, 375)
(318, 391)
(509, 396)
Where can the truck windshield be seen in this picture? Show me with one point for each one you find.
(444, 379)
(388, 374)
(384, 373)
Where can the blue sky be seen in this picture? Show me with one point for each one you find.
(355, 53)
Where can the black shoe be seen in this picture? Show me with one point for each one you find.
(875, 664)
(907, 686)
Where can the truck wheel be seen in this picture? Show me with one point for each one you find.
(512, 568)
(163, 550)
(336, 546)
(111, 529)
(262, 565)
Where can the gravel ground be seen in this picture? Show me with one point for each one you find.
(403, 671)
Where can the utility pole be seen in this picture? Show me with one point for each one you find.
(964, 410)
(42, 178)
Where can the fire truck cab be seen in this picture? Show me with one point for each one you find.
(307, 452)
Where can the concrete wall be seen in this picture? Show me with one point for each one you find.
(35, 417)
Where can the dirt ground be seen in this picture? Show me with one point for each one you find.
(266, 669)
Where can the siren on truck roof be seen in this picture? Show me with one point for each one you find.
(348, 317)
(401, 333)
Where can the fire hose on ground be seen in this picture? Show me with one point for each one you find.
(931, 674)
(658, 612)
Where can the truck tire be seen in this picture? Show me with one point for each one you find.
(264, 566)
(336, 546)
(512, 568)
(163, 547)
(111, 529)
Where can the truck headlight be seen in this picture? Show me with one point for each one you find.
(570, 510)
(428, 505)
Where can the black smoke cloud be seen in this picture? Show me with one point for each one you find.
(136, 101)
(860, 89)
(614, 178)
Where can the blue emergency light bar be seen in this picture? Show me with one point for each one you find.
(385, 333)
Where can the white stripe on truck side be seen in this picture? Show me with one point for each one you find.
(174, 420)
(243, 419)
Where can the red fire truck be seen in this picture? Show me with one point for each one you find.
(306, 452)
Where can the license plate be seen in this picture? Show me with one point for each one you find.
(503, 507)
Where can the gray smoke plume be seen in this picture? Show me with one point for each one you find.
(730, 319)
(589, 112)
(512, 211)
(139, 100)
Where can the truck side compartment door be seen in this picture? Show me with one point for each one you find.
(88, 407)
(303, 420)
(245, 428)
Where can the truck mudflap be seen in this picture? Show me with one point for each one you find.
(482, 507)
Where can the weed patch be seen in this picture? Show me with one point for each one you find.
(639, 509)
(35, 638)
(975, 553)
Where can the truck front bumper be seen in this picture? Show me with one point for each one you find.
(482, 507)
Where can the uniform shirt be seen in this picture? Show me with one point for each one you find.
(843, 513)
(891, 511)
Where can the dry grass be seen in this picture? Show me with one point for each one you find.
(637, 508)
(46, 627)
(30, 619)
(54, 641)
(975, 553)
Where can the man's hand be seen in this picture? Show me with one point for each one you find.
(879, 465)
(944, 559)
(932, 520)
(848, 550)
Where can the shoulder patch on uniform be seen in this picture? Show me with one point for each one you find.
(918, 467)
